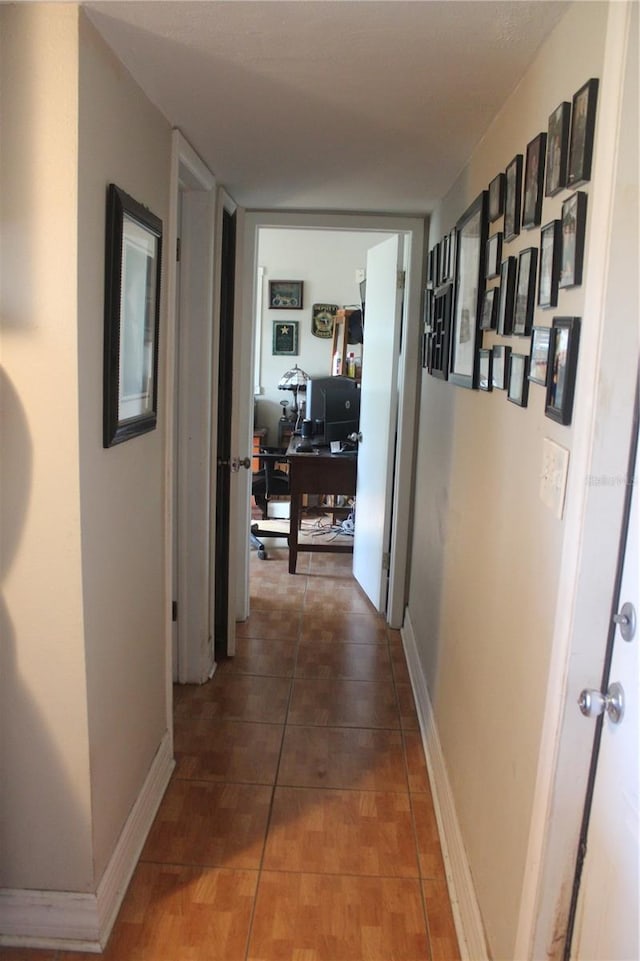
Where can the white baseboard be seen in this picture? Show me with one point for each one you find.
(464, 903)
(82, 922)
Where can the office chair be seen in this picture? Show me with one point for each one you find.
(269, 481)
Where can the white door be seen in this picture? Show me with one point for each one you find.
(378, 413)
(607, 916)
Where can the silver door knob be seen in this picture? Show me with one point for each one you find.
(626, 621)
(239, 462)
(594, 703)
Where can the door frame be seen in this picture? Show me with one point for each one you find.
(188, 370)
(595, 505)
(413, 229)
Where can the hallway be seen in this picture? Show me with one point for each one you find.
(298, 825)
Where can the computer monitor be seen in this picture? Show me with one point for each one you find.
(336, 402)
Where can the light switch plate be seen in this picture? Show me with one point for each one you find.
(553, 480)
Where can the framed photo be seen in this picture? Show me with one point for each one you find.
(285, 294)
(494, 256)
(583, 125)
(131, 318)
(563, 363)
(500, 366)
(557, 149)
(470, 253)
(439, 333)
(539, 357)
(489, 309)
(322, 320)
(518, 385)
(485, 382)
(525, 291)
(574, 218)
(533, 181)
(452, 254)
(549, 276)
(444, 259)
(427, 326)
(507, 295)
(496, 197)
(285, 337)
(512, 198)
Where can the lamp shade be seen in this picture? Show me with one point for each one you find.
(294, 379)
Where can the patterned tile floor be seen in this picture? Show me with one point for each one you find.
(299, 823)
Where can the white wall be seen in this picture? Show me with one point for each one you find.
(45, 817)
(486, 552)
(122, 139)
(326, 261)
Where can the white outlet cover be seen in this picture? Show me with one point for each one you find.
(553, 479)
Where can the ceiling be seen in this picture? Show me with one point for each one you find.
(334, 105)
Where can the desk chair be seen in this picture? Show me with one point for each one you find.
(269, 481)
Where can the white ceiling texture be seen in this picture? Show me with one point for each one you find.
(330, 104)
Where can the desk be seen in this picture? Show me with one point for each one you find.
(317, 473)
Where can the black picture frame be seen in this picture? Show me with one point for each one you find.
(494, 256)
(133, 258)
(452, 254)
(439, 332)
(485, 359)
(444, 259)
(427, 327)
(471, 239)
(557, 149)
(534, 182)
(506, 300)
(512, 198)
(583, 125)
(563, 365)
(525, 291)
(489, 309)
(431, 269)
(500, 366)
(518, 382)
(539, 355)
(573, 220)
(285, 294)
(549, 272)
(285, 338)
(496, 197)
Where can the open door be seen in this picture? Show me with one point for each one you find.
(378, 414)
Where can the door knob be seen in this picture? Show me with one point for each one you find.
(239, 462)
(594, 703)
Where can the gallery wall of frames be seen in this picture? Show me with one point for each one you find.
(475, 286)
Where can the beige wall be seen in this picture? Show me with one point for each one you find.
(82, 671)
(45, 818)
(486, 552)
(123, 139)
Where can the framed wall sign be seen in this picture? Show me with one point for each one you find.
(469, 288)
(533, 181)
(285, 294)
(557, 149)
(323, 317)
(131, 318)
(563, 363)
(583, 125)
(285, 337)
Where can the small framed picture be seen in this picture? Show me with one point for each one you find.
(452, 255)
(500, 366)
(444, 259)
(496, 197)
(437, 264)
(563, 363)
(285, 337)
(439, 332)
(285, 294)
(533, 181)
(557, 149)
(583, 125)
(518, 386)
(539, 362)
(494, 256)
(512, 198)
(574, 218)
(489, 309)
(549, 275)
(471, 240)
(525, 291)
(507, 295)
(485, 382)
